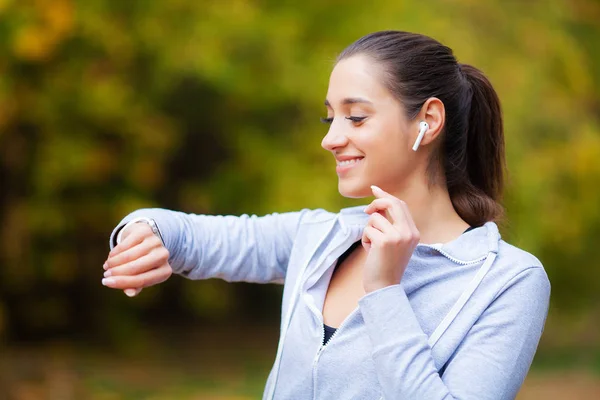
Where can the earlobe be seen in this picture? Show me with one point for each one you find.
(423, 127)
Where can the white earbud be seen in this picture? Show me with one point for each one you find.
(423, 126)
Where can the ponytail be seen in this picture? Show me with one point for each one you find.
(477, 198)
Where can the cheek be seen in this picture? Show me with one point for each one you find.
(388, 152)
(385, 143)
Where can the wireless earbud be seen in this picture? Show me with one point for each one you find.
(423, 126)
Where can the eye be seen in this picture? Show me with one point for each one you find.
(356, 120)
(327, 120)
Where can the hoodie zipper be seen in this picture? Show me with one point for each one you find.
(454, 259)
(322, 348)
(348, 317)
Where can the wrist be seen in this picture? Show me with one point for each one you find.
(370, 287)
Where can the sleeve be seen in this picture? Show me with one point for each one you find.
(233, 248)
(491, 362)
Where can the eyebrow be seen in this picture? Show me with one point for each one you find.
(350, 100)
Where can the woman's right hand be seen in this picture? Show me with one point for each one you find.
(139, 261)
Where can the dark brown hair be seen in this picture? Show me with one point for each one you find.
(416, 68)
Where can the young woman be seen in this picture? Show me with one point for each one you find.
(415, 296)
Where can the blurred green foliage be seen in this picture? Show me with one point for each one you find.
(212, 107)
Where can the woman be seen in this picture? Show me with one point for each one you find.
(413, 297)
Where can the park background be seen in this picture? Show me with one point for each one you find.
(213, 107)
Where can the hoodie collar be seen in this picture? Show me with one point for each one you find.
(468, 247)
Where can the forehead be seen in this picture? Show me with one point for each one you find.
(357, 76)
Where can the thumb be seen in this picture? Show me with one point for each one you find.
(132, 292)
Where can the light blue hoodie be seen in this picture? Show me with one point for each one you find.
(464, 323)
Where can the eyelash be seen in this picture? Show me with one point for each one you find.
(355, 120)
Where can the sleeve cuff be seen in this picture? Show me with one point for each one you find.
(389, 317)
(115, 233)
(113, 237)
(162, 220)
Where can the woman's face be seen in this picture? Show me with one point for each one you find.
(369, 136)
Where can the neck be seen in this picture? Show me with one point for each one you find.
(432, 211)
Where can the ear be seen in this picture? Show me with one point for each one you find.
(434, 113)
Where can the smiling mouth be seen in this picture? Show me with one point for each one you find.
(349, 162)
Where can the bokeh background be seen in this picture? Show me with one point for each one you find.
(206, 106)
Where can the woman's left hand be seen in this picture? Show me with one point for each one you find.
(390, 238)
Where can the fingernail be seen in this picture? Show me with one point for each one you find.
(108, 281)
(107, 274)
(373, 187)
(105, 266)
(130, 292)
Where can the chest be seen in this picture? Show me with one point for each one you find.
(345, 287)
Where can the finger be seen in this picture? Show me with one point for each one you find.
(133, 253)
(380, 193)
(378, 204)
(138, 233)
(365, 239)
(140, 265)
(389, 206)
(146, 279)
(370, 235)
(132, 292)
(381, 223)
(394, 233)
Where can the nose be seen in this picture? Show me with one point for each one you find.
(335, 138)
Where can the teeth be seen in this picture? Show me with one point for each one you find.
(348, 162)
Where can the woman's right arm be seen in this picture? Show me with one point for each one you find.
(244, 248)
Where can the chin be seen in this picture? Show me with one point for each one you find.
(354, 190)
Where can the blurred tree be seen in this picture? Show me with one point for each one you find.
(108, 106)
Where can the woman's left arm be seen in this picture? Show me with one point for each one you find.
(492, 360)
(490, 363)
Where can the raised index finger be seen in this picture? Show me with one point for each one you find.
(380, 193)
(386, 202)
